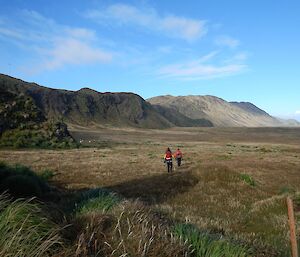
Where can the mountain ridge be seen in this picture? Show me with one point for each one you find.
(87, 106)
(218, 111)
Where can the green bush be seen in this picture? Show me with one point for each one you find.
(35, 138)
(207, 245)
(25, 231)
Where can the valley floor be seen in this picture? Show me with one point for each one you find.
(233, 180)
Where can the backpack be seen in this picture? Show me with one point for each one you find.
(168, 155)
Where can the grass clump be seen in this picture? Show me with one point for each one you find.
(98, 199)
(248, 179)
(130, 229)
(207, 245)
(46, 174)
(21, 181)
(25, 231)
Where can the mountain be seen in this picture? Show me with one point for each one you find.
(218, 111)
(180, 120)
(86, 106)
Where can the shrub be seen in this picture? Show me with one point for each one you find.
(21, 186)
(20, 181)
(25, 231)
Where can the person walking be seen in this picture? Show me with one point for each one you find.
(168, 159)
(178, 156)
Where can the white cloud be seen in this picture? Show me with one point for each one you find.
(201, 69)
(75, 52)
(81, 33)
(227, 41)
(297, 112)
(55, 45)
(170, 25)
(11, 33)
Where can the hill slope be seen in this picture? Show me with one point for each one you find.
(87, 106)
(220, 112)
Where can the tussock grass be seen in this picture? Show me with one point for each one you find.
(98, 199)
(130, 229)
(209, 245)
(25, 231)
(248, 179)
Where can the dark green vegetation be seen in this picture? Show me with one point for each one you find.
(20, 181)
(23, 124)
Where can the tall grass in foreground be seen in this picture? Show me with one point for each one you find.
(128, 229)
(24, 230)
(206, 245)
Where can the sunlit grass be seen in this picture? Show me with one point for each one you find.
(25, 231)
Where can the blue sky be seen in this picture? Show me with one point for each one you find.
(237, 50)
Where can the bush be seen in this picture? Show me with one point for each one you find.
(21, 186)
(20, 181)
(25, 231)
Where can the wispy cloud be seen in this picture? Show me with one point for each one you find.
(169, 25)
(201, 69)
(297, 112)
(227, 41)
(75, 52)
(55, 45)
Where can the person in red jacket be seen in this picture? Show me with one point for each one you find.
(178, 156)
(168, 159)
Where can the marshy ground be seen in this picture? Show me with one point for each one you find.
(233, 181)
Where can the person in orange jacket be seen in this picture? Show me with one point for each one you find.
(168, 159)
(178, 156)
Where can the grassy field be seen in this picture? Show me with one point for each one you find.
(233, 181)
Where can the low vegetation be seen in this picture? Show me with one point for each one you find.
(248, 179)
(205, 244)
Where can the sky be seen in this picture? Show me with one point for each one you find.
(238, 50)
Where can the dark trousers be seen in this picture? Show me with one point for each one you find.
(178, 161)
(169, 165)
